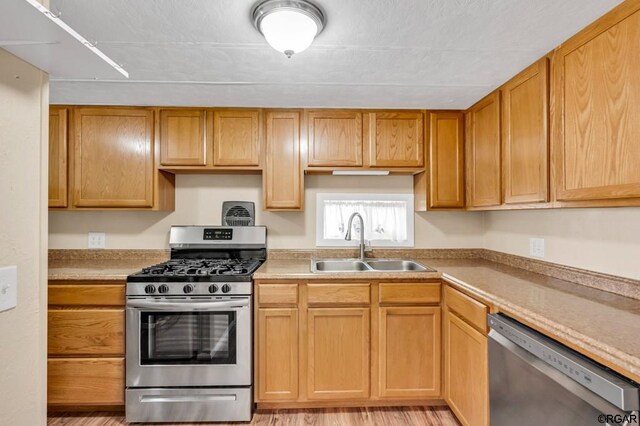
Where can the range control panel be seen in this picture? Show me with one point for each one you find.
(218, 234)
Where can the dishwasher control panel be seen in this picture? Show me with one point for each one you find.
(594, 377)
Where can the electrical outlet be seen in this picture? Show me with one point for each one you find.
(96, 240)
(8, 288)
(536, 247)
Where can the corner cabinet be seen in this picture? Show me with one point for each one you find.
(466, 367)
(483, 153)
(283, 187)
(328, 343)
(58, 154)
(596, 131)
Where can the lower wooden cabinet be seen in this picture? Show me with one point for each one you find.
(86, 324)
(277, 354)
(338, 353)
(409, 352)
(465, 367)
(347, 343)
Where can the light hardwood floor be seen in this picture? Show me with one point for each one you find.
(388, 416)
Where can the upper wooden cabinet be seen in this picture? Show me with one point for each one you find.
(483, 153)
(525, 135)
(596, 131)
(58, 143)
(283, 187)
(113, 162)
(334, 138)
(446, 160)
(182, 137)
(396, 139)
(236, 137)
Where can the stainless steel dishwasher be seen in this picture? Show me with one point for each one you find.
(534, 380)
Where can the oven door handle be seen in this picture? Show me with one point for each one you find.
(188, 306)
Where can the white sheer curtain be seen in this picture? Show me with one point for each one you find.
(384, 220)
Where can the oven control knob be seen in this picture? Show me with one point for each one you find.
(150, 289)
(213, 288)
(187, 288)
(226, 288)
(163, 288)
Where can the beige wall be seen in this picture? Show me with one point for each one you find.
(199, 201)
(603, 240)
(24, 99)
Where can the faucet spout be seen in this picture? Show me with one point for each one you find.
(347, 236)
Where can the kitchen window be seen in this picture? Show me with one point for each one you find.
(388, 219)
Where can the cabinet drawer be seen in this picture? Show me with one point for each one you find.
(277, 294)
(86, 332)
(86, 294)
(410, 293)
(469, 309)
(338, 294)
(85, 381)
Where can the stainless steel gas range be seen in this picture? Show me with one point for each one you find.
(189, 328)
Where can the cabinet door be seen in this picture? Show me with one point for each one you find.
(283, 178)
(409, 352)
(483, 159)
(113, 162)
(466, 371)
(236, 140)
(277, 354)
(446, 160)
(85, 381)
(525, 138)
(58, 143)
(338, 353)
(335, 138)
(596, 148)
(396, 139)
(182, 137)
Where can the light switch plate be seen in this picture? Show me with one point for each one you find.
(8, 288)
(96, 240)
(536, 247)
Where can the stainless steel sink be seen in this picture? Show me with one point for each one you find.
(338, 266)
(397, 265)
(368, 265)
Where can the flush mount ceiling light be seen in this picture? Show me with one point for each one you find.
(288, 25)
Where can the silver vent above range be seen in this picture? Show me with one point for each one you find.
(238, 213)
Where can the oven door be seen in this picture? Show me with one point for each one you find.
(189, 341)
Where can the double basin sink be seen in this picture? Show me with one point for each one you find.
(368, 265)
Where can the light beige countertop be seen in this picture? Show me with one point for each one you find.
(95, 269)
(604, 325)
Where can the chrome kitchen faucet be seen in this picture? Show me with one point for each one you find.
(348, 234)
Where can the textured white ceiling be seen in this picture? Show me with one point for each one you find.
(374, 54)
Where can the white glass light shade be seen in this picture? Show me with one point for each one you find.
(288, 31)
